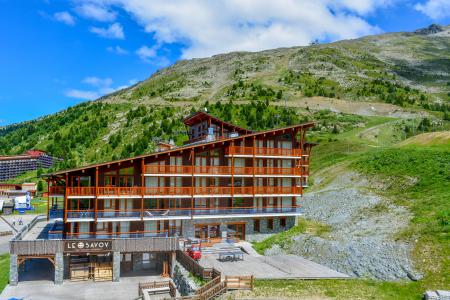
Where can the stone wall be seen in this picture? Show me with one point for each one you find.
(59, 268)
(13, 270)
(116, 266)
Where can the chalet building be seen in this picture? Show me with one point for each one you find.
(225, 183)
(14, 165)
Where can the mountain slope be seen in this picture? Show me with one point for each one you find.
(403, 75)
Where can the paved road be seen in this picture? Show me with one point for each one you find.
(126, 289)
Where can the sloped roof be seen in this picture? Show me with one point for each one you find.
(201, 116)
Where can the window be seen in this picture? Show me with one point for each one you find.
(283, 222)
(270, 224)
(256, 225)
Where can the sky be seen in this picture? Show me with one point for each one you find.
(55, 53)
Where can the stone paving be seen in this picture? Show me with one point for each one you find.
(272, 267)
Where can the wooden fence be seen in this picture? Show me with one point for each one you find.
(157, 285)
(216, 286)
(239, 282)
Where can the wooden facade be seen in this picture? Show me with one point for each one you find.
(224, 170)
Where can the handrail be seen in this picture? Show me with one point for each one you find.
(221, 170)
(263, 151)
(183, 191)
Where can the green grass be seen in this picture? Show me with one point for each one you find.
(4, 274)
(337, 289)
(419, 179)
(284, 238)
(197, 279)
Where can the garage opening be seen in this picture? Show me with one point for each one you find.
(143, 264)
(36, 269)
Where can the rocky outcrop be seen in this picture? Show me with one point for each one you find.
(432, 29)
(362, 240)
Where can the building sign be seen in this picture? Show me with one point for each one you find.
(87, 246)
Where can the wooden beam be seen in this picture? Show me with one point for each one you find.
(65, 197)
(96, 195)
(232, 172)
(192, 179)
(142, 188)
(48, 198)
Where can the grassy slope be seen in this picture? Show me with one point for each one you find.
(427, 197)
(4, 274)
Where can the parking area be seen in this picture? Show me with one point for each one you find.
(271, 267)
(43, 289)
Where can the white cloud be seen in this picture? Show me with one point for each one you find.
(98, 87)
(64, 17)
(206, 27)
(434, 9)
(80, 94)
(97, 82)
(361, 7)
(145, 53)
(95, 11)
(114, 31)
(117, 50)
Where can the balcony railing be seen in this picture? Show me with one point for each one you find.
(80, 214)
(262, 151)
(135, 234)
(186, 212)
(221, 170)
(186, 191)
(81, 191)
(56, 190)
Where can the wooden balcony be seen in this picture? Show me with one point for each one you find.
(56, 190)
(222, 171)
(81, 191)
(198, 191)
(181, 213)
(263, 152)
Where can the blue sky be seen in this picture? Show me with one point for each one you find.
(54, 53)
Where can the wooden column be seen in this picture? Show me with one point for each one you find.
(301, 162)
(48, 198)
(294, 179)
(253, 168)
(192, 180)
(96, 195)
(142, 188)
(232, 171)
(65, 198)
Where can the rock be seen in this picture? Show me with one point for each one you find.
(443, 295)
(414, 276)
(433, 28)
(361, 241)
(275, 250)
(431, 295)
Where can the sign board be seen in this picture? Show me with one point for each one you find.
(87, 246)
